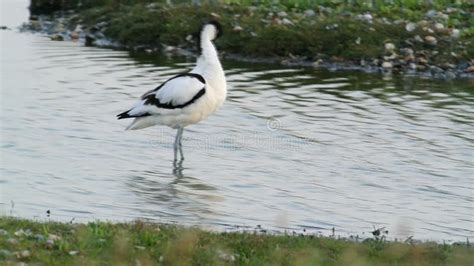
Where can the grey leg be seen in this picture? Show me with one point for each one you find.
(178, 145)
(175, 146)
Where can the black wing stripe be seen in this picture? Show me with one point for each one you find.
(186, 74)
(126, 115)
(151, 99)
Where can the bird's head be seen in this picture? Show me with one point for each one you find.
(211, 30)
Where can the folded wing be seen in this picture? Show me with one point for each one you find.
(176, 93)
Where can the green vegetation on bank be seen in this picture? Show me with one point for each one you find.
(140, 243)
(418, 34)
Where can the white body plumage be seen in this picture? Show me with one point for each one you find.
(186, 98)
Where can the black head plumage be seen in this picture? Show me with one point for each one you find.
(217, 26)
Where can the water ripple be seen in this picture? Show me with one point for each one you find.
(351, 150)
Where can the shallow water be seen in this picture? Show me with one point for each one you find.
(291, 149)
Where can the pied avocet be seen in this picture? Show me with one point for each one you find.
(186, 98)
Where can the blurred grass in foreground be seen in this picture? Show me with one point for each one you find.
(140, 243)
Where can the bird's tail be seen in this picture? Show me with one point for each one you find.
(124, 115)
(141, 122)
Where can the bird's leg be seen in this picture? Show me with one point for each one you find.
(180, 144)
(177, 145)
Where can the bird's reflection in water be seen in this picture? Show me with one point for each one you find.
(176, 196)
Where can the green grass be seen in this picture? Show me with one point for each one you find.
(328, 35)
(103, 243)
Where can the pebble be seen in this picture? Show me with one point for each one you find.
(331, 26)
(470, 69)
(422, 61)
(282, 14)
(53, 237)
(78, 28)
(3, 28)
(391, 57)
(420, 67)
(102, 24)
(407, 51)
(286, 21)
(169, 49)
(74, 35)
(140, 247)
(39, 237)
(389, 47)
(34, 25)
(438, 26)
(448, 66)
(409, 57)
(317, 63)
(215, 15)
(397, 22)
(418, 38)
(436, 69)
(423, 23)
(22, 254)
(22, 232)
(25, 254)
(59, 27)
(12, 241)
(152, 5)
(57, 37)
(237, 29)
(73, 252)
(49, 243)
(443, 16)
(427, 29)
(451, 10)
(410, 27)
(387, 65)
(224, 256)
(455, 33)
(431, 40)
(450, 74)
(431, 13)
(309, 13)
(367, 16)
